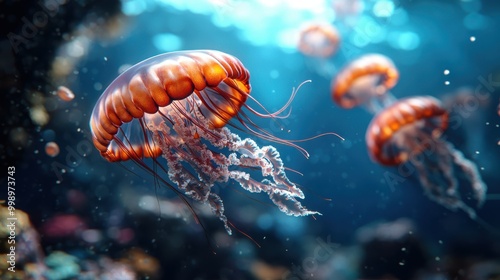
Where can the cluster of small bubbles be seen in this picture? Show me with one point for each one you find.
(446, 72)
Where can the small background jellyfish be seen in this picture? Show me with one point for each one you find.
(409, 131)
(177, 105)
(347, 11)
(319, 41)
(366, 82)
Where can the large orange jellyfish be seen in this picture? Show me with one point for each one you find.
(365, 81)
(410, 131)
(177, 105)
(319, 40)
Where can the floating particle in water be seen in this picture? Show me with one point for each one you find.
(39, 115)
(52, 149)
(65, 93)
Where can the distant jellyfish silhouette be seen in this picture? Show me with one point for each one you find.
(410, 131)
(319, 41)
(365, 81)
(347, 10)
(65, 93)
(178, 105)
(52, 149)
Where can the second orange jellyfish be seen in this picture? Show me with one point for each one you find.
(365, 81)
(410, 131)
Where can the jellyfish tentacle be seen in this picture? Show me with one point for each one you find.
(471, 172)
(195, 168)
(438, 179)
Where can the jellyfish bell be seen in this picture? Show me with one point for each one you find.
(65, 93)
(178, 106)
(52, 149)
(319, 41)
(366, 81)
(347, 11)
(423, 115)
(409, 131)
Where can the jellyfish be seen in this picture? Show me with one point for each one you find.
(178, 106)
(366, 81)
(347, 11)
(52, 149)
(65, 93)
(410, 130)
(319, 41)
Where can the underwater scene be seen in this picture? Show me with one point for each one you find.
(250, 139)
